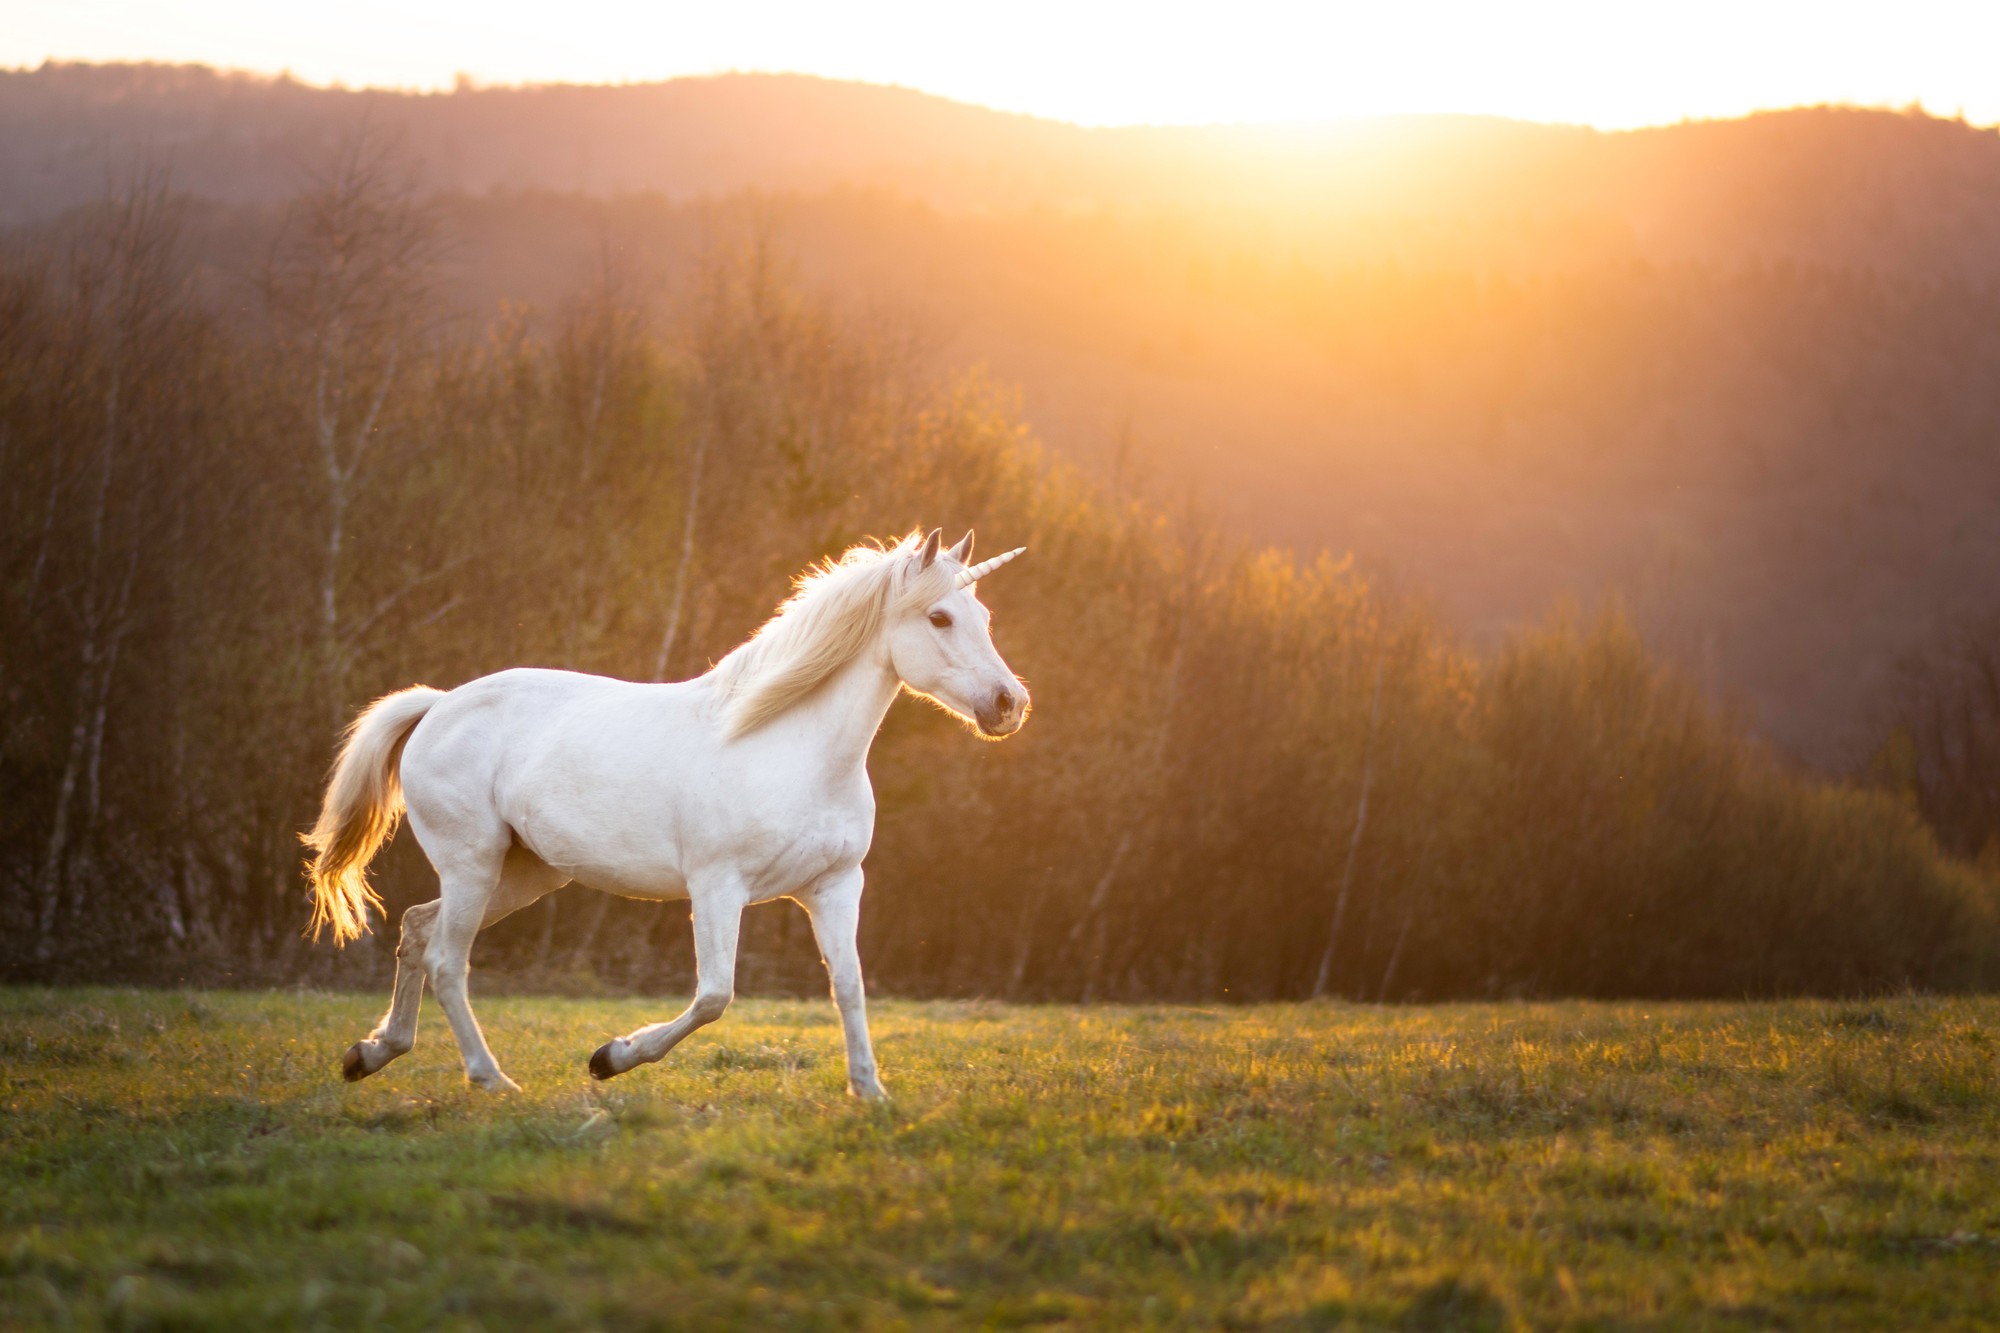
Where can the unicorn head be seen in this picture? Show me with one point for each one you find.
(941, 642)
(914, 600)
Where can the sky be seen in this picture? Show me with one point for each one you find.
(1610, 63)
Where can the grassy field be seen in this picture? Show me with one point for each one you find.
(191, 1160)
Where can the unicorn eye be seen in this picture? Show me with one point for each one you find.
(942, 619)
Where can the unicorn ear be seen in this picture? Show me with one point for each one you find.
(930, 551)
(963, 551)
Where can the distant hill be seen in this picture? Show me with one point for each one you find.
(1899, 192)
(1744, 374)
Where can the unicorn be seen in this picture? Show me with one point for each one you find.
(743, 785)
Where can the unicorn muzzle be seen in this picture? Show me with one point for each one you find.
(1004, 712)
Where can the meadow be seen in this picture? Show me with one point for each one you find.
(192, 1160)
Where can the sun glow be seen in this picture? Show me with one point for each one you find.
(1581, 61)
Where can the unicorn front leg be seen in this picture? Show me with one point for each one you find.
(718, 915)
(835, 909)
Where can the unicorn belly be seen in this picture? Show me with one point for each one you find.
(659, 847)
(648, 883)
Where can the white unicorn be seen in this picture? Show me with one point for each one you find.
(743, 785)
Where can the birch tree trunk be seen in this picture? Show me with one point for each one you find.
(677, 603)
(52, 881)
(1325, 973)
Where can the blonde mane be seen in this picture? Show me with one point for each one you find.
(836, 609)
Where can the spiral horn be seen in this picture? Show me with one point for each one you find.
(968, 577)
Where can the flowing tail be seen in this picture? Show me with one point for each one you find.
(364, 799)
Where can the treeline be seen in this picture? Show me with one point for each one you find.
(227, 522)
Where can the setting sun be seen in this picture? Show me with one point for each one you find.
(1572, 61)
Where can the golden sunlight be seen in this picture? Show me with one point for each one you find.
(1579, 61)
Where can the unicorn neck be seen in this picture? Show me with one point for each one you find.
(846, 711)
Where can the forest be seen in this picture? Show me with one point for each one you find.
(231, 515)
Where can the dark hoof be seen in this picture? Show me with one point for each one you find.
(600, 1063)
(352, 1067)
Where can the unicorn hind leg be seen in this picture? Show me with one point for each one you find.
(474, 896)
(397, 1032)
(524, 879)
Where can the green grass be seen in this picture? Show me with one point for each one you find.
(182, 1160)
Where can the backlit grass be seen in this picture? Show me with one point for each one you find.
(192, 1160)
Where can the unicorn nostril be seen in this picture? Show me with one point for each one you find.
(1004, 701)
